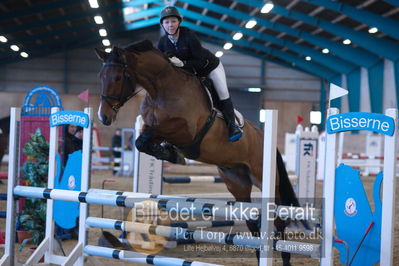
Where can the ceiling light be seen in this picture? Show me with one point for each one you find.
(102, 32)
(108, 50)
(93, 3)
(98, 20)
(254, 89)
(308, 58)
(325, 51)
(346, 41)
(250, 24)
(373, 30)
(266, 8)
(219, 54)
(237, 36)
(106, 42)
(227, 45)
(23, 54)
(14, 48)
(3, 39)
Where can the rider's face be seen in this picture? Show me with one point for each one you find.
(170, 24)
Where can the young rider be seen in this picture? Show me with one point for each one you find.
(185, 50)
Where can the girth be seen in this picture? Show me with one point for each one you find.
(192, 150)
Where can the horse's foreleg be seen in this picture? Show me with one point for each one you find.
(145, 143)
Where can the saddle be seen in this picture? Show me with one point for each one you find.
(214, 101)
(192, 150)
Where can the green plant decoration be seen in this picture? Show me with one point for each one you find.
(35, 171)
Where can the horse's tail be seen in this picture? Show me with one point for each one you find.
(287, 194)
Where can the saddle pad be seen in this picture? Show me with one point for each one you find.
(239, 118)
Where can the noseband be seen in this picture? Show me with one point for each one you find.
(125, 76)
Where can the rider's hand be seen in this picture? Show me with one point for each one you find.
(176, 61)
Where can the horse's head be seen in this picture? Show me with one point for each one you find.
(122, 71)
(118, 83)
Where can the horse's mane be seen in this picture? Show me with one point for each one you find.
(141, 46)
(146, 45)
(136, 47)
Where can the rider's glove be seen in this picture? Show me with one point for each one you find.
(176, 61)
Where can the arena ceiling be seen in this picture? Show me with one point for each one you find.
(321, 37)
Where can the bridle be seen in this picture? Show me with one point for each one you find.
(121, 102)
(126, 76)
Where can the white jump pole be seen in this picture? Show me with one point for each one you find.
(131, 256)
(201, 235)
(388, 190)
(328, 196)
(179, 198)
(52, 168)
(85, 183)
(268, 185)
(13, 159)
(176, 232)
(208, 224)
(208, 210)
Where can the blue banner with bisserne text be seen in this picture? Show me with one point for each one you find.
(378, 123)
(69, 117)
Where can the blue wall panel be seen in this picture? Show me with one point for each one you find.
(336, 102)
(376, 84)
(396, 71)
(353, 82)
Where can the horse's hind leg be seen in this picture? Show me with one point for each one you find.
(280, 226)
(238, 182)
(285, 195)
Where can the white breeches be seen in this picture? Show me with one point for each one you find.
(219, 81)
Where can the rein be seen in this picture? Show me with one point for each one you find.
(121, 102)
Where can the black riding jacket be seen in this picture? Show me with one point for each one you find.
(188, 48)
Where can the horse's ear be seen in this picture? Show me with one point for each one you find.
(117, 51)
(101, 54)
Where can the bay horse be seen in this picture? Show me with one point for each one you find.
(175, 109)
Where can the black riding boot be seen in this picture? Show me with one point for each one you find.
(228, 112)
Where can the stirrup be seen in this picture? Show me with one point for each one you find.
(234, 132)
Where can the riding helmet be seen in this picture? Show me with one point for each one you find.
(170, 11)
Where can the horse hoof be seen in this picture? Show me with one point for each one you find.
(177, 157)
(180, 159)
